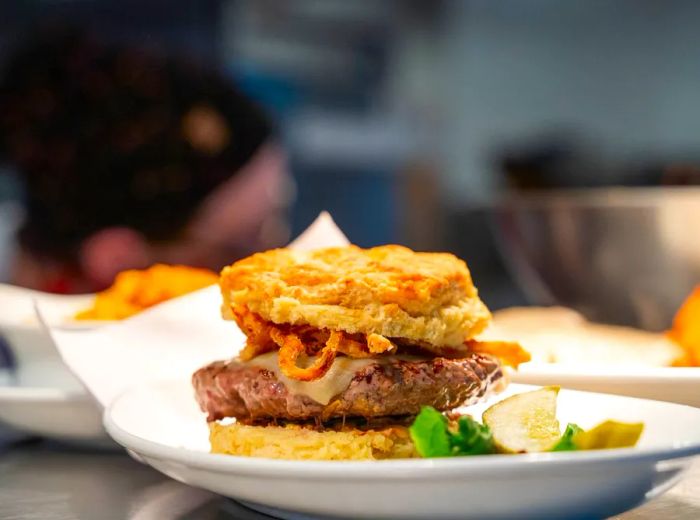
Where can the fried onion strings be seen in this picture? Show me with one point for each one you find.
(291, 347)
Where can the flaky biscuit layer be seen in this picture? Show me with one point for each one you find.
(388, 290)
(299, 443)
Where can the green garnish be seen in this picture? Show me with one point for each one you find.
(432, 436)
(429, 433)
(472, 438)
(566, 443)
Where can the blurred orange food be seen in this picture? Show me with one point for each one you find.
(136, 290)
(686, 330)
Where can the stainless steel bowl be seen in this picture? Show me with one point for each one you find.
(625, 255)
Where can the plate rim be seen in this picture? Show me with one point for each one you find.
(41, 393)
(399, 469)
(665, 374)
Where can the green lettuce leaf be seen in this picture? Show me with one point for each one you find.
(566, 443)
(432, 436)
(429, 433)
(471, 438)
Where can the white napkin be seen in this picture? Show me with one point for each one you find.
(170, 340)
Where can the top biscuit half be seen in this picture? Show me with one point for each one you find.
(388, 290)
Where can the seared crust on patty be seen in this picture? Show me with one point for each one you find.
(389, 290)
(390, 388)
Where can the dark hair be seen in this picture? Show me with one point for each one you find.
(103, 135)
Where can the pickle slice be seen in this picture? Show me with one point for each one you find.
(525, 423)
(609, 434)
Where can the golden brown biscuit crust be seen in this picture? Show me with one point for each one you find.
(389, 290)
(295, 442)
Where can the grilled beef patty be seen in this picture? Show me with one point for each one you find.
(396, 387)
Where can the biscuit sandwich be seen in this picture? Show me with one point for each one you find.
(344, 346)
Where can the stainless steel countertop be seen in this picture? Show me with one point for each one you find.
(49, 481)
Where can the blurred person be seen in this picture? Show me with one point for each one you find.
(130, 158)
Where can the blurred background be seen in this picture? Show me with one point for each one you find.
(426, 123)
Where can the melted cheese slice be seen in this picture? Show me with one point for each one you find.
(323, 389)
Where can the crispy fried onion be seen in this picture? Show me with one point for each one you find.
(257, 331)
(295, 340)
(509, 352)
(291, 347)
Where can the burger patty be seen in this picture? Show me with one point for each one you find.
(395, 387)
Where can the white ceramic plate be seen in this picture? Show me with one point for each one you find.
(570, 351)
(52, 413)
(38, 394)
(45, 399)
(17, 304)
(676, 385)
(160, 424)
(20, 327)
